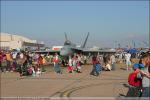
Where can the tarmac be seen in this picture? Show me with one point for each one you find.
(108, 85)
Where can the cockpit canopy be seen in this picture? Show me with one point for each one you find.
(67, 42)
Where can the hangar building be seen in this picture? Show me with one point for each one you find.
(10, 41)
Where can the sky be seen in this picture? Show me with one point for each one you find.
(109, 22)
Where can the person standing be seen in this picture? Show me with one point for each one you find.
(3, 62)
(134, 82)
(94, 70)
(8, 60)
(85, 59)
(41, 63)
(78, 64)
(56, 61)
(146, 75)
(128, 60)
(70, 64)
(113, 61)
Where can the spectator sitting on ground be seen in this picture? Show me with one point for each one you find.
(108, 66)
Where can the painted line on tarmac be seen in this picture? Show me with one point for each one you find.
(59, 91)
(68, 92)
(40, 78)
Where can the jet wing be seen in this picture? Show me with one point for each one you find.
(46, 51)
(78, 49)
(100, 51)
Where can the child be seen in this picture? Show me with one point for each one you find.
(134, 82)
(70, 68)
(78, 66)
(38, 73)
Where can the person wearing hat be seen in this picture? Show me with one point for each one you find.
(135, 83)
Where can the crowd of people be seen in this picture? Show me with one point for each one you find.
(24, 62)
(32, 64)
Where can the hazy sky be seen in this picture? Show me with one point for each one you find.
(107, 21)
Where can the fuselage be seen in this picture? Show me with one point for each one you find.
(66, 51)
(70, 48)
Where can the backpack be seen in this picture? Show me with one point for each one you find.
(133, 80)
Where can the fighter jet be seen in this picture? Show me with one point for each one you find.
(70, 48)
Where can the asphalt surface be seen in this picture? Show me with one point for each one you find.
(109, 84)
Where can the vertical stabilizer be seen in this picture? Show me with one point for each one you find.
(83, 46)
(66, 36)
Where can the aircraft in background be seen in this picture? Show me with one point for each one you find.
(70, 48)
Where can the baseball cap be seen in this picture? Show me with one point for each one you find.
(136, 66)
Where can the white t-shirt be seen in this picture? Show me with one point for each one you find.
(70, 62)
(74, 62)
(112, 59)
(145, 80)
(127, 56)
(56, 57)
